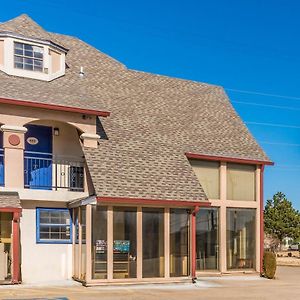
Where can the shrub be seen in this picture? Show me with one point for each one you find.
(269, 265)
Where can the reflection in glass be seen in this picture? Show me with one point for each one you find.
(240, 238)
(179, 242)
(240, 182)
(124, 245)
(153, 242)
(99, 242)
(208, 174)
(207, 239)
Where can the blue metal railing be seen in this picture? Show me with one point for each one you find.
(44, 172)
(1, 167)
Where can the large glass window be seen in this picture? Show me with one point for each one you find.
(241, 238)
(53, 225)
(179, 242)
(240, 182)
(28, 57)
(99, 242)
(208, 174)
(153, 242)
(124, 245)
(207, 239)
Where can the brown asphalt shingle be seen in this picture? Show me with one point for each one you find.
(154, 121)
(10, 199)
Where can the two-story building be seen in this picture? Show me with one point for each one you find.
(112, 175)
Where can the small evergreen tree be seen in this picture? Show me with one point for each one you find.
(281, 219)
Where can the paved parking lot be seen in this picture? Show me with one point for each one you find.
(285, 286)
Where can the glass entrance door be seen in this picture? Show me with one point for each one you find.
(5, 245)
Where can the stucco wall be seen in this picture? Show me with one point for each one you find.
(41, 262)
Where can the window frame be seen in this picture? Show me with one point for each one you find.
(23, 57)
(53, 241)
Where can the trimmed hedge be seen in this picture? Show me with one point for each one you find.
(269, 265)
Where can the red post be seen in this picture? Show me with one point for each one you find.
(16, 248)
(261, 217)
(193, 240)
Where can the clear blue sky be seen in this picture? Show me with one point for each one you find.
(249, 45)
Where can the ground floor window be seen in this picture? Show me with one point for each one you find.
(153, 242)
(207, 239)
(241, 238)
(124, 244)
(179, 242)
(99, 242)
(53, 225)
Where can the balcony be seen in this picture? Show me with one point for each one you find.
(43, 171)
(1, 167)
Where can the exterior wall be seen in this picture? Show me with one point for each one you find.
(55, 61)
(41, 262)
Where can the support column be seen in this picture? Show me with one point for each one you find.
(90, 140)
(88, 243)
(167, 242)
(110, 241)
(139, 244)
(261, 217)
(222, 218)
(16, 248)
(193, 241)
(13, 144)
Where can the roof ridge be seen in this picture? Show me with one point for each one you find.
(27, 27)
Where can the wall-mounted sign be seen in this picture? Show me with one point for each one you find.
(32, 140)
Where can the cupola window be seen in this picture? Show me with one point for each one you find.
(28, 57)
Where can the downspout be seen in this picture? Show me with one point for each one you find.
(261, 217)
(193, 233)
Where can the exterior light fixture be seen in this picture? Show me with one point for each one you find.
(56, 131)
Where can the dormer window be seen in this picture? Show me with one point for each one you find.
(28, 57)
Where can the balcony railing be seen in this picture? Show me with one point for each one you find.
(44, 172)
(1, 167)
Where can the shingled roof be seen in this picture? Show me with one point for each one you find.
(155, 120)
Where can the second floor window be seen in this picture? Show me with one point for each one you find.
(28, 57)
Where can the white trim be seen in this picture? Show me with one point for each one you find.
(11, 128)
(89, 136)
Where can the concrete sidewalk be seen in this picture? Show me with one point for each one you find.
(285, 286)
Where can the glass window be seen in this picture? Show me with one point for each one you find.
(53, 225)
(241, 238)
(124, 245)
(99, 242)
(179, 242)
(28, 57)
(76, 242)
(240, 182)
(153, 242)
(207, 239)
(208, 174)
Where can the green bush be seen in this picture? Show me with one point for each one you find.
(269, 265)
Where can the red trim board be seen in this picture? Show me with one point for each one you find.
(141, 201)
(228, 159)
(55, 107)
